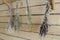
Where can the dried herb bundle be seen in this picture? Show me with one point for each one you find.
(28, 11)
(17, 18)
(44, 26)
(11, 20)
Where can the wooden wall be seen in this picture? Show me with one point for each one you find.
(37, 9)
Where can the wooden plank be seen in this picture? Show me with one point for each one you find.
(23, 11)
(51, 37)
(41, 10)
(54, 19)
(3, 7)
(6, 37)
(37, 19)
(22, 3)
(38, 10)
(4, 25)
(4, 13)
(4, 19)
(38, 2)
(24, 19)
(54, 30)
(27, 35)
(32, 28)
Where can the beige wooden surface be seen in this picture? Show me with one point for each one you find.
(34, 9)
(52, 19)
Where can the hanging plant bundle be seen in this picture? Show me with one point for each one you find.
(17, 21)
(28, 11)
(11, 23)
(8, 3)
(44, 26)
(11, 20)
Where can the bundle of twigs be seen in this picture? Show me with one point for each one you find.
(44, 26)
(11, 23)
(17, 18)
(9, 4)
(28, 11)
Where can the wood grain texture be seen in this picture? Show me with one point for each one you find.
(35, 8)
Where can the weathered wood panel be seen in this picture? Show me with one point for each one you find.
(36, 8)
(35, 19)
